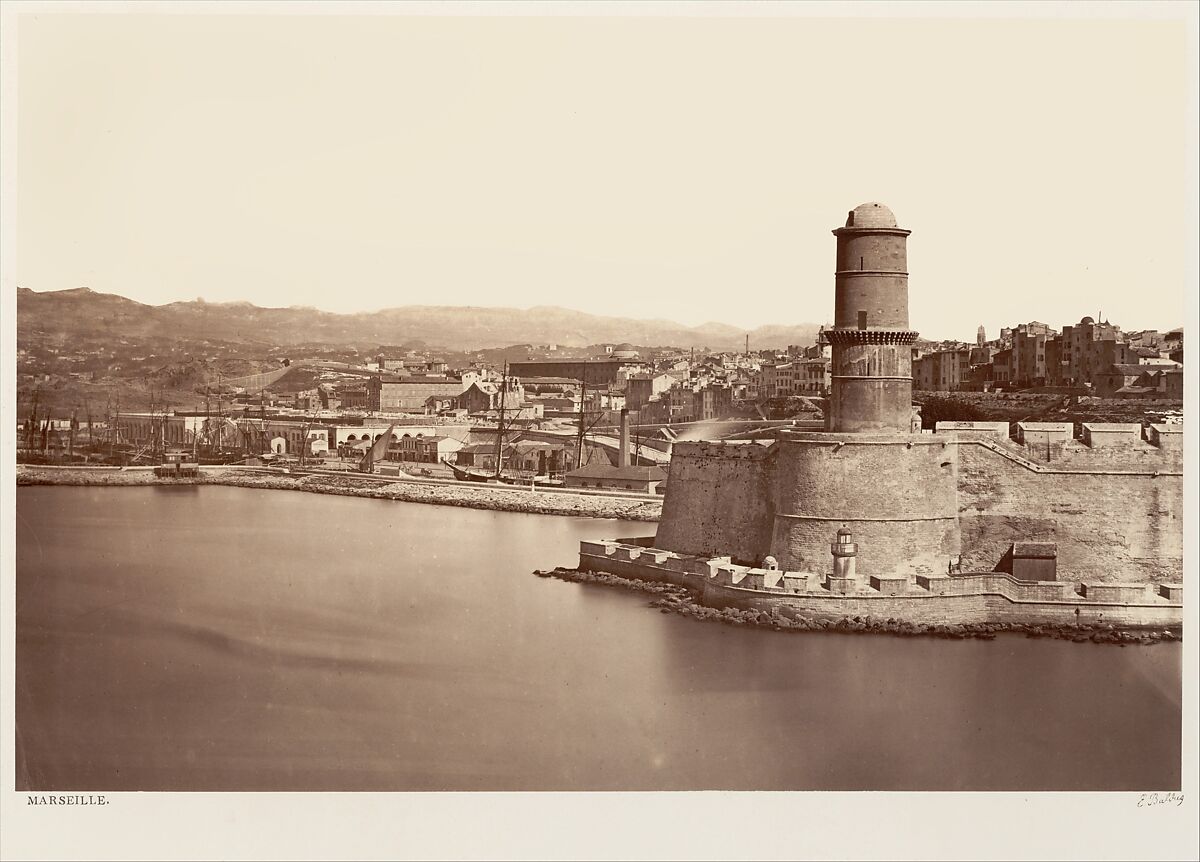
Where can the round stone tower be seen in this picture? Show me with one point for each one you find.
(894, 491)
(871, 389)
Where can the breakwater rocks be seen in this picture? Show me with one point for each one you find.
(467, 495)
(680, 600)
(93, 476)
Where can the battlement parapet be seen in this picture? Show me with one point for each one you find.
(1138, 458)
(1137, 593)
(598, 548)
(840, 439)
(889, 586)
(996, 582)
(1043, 433)
(1171, 592)
(977, 597)
(1111, 434)
(1165, 436)
(721, 449)
(973, 429)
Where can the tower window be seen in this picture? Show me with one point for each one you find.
(862, 320)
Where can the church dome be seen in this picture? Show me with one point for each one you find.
(871, 215)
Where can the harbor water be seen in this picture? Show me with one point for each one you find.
(216, 638)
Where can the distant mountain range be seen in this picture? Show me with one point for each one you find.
(82, 311)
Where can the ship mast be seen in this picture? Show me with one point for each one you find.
(220, 414)
(117, 429)
(262, 421)
(87, 406)
(32, 426)
(582, 401)
(500, 429)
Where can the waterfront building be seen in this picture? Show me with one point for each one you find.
(482, 396)
(644, 480)
(423, 449)
(391, 394)
(155, 428)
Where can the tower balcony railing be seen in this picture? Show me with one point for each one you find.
(871, 336)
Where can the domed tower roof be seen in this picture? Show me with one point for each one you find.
(871, 215)
(1086, 321)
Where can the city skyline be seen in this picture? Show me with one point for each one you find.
(534, 171)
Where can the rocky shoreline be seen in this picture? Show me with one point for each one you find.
(682, 601)
(467, 496)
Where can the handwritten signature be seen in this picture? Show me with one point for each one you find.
(1147, 800)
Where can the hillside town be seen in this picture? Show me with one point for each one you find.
(604, 416)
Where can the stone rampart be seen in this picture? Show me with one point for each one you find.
(896, 495)
(1118, 518)
(719, 500)
(953, 609)
(986, 429)
(1112, 504)
(973, 598)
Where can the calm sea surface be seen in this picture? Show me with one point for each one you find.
(208, 638)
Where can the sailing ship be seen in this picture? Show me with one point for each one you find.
(462, 474)
(377, 451)
(500, 474)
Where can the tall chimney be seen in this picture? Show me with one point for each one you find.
(623, 452)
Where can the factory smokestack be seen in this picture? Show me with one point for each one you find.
(623, 452)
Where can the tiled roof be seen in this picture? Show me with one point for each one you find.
(1126, 370)
(605, 471)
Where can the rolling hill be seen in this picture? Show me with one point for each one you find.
(84, 312)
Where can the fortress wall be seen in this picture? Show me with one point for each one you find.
(1126, 455)
(933, 599)
(896, 495)
(999, 583)
(719, 501)
(1108, 527)
(951, 609)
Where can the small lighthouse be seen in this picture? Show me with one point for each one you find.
(845, 551)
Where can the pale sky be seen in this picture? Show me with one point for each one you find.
(683, 168)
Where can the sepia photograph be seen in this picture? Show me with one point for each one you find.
(614, 430)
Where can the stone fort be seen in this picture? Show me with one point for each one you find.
(1105, 505)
